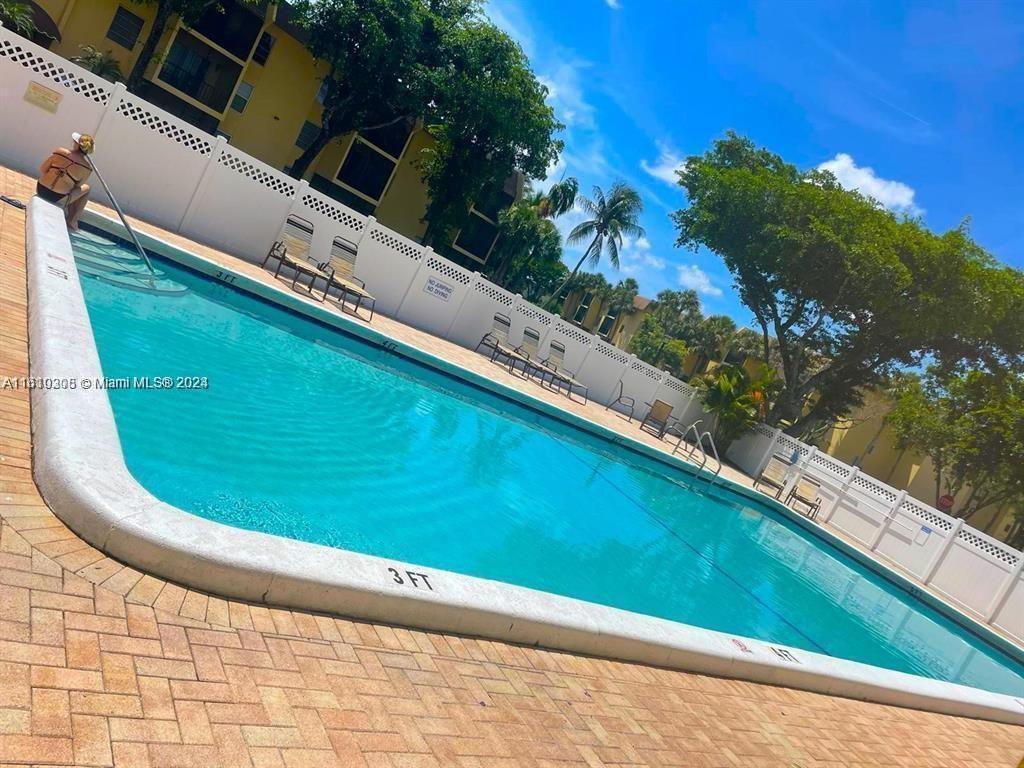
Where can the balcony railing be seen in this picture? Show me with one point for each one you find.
(190, 83)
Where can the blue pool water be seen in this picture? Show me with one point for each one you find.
(308, 433)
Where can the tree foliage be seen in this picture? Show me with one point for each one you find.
(735, 400)
(849, 291)
(18, 15)
(971, 426)
(101, 63)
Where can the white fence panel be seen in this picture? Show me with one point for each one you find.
(387, 262)
(523, 315)
(602, 370)
(1009, 616)
(863, 509)
(435, 295)
(241, 206)
(973, 568)
(676, 393)
(577, 344)
(28, 133)
(642, 382)
(154, 162)
(748, 451)
(478, 310)
(914, 537)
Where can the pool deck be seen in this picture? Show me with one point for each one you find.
(103, 665)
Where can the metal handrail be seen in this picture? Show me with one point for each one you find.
(124, 221)
(696, 444)
(714, 450)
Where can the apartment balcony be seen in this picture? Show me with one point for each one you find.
(200, 72)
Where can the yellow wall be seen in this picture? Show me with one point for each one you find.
(865, 440)
(405, 200)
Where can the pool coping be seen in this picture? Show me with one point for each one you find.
(79, 468)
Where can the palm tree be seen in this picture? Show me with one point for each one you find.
(99, 63)
(611, 218)
(560, 199)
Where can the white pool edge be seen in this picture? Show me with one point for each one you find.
(80, 471)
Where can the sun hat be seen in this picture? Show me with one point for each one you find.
(84, 141)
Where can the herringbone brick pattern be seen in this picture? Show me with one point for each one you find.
(101, 665)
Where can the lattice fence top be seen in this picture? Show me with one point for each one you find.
(574, 333)
(678, 386)
(494, 292)
(141, 113)
(531, 312)
(611, 352)
(276, 182)
(646, 370)
(95, 89)
(334, 211)
(449, 270)
(874, 487)
(396, 243)
(994, 549)
(932, 517)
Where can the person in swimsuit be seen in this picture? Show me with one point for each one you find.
(62, 177)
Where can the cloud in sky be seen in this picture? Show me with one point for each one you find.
(692, 276)
(613, 4)
(664, 168)
(635, 257)
(894, 195)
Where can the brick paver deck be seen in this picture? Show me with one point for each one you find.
(102, 665)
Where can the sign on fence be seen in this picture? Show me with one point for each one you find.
(435, 287)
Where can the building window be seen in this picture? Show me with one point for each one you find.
(583, 309)
(306, 135)
(477, 237)
(366, 170)
(607, 322)
(125, 28)
(242, 95)
(263, 48)
(321, 92)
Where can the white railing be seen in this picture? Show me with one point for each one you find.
(170, 173)
(955, 560)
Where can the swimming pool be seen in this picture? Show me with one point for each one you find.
(312, 434)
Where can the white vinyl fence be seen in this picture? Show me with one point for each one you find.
(166, 171)
(961, 563)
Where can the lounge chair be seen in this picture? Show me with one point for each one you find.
(293, 250)
(657, 419)
(528, 352)
(554, 367)
(625, 401)
(807, 493)
(774, 474)
(497, 341)
(343, 263)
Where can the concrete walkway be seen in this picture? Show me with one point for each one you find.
(102, 665)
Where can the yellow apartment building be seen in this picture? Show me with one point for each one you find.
(246, 75)
(591, 312)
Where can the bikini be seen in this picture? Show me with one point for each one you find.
(52, 196)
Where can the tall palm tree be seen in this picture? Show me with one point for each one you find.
(560, 199)
(611, 217)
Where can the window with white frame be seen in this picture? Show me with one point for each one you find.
(242, 95)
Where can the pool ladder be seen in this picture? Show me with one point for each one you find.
(698, 445)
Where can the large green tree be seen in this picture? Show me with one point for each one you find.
(610, 218)
(188, 11)
(489, 119)
(678, 313)
(849, 291)
(971, 426)
(378, 55)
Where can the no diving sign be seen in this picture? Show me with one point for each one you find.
(435, 287)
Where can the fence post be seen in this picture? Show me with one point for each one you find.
(469, 288)
(110, 111)
(204, 180)
(888, 520)
(854, 471)
(1004, 591)
(797, 476)
(370, 221)
(427, 253)
(763, 462)
(940, 555)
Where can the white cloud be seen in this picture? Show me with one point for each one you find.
(894, 195)
(692, 276)
(635, 256)
(664, 168)
(565, 93)
(613, 4)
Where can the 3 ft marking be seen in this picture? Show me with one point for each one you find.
(225, 277)
(410, 579)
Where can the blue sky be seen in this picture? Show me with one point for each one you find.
(919, 105)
